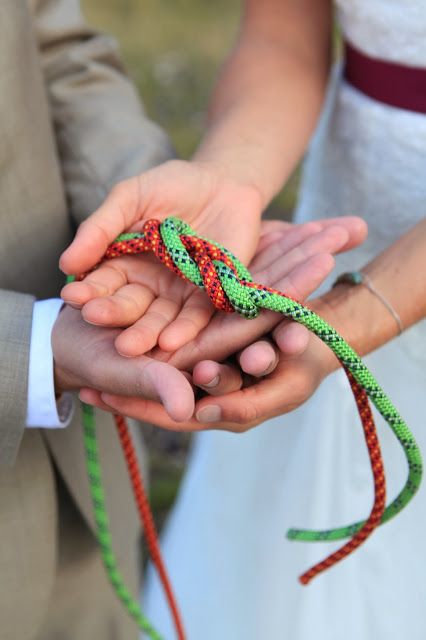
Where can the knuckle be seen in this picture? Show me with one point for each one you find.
(247, 413)
(230, 381)
(96, 228)
(120, 189)
(299, 386)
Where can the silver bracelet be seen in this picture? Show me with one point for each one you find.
(357, 277)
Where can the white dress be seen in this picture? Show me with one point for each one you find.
(234, 571)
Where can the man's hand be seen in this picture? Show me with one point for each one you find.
(217, 206)
(86, 356)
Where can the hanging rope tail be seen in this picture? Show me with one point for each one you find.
(147, 519)
(230, 287)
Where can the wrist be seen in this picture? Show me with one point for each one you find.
(64, 380)
(235, 170)
(323, 357)
(357, 315)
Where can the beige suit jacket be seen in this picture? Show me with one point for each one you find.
(71, 126)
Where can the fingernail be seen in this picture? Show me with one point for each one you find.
(123, 355)
(81, 397)
(74, 305)
(107, 398)
(212, 413)
(271, 366)
(212, 383)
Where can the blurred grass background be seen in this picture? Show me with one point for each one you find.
(173, 50)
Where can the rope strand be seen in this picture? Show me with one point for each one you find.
(379, 504)
(147, 519)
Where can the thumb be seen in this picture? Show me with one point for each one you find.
(144, 377)
(121, 209)
(291, 338)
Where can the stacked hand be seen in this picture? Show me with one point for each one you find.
(131, 304)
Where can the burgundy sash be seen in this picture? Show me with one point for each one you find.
(395, 84)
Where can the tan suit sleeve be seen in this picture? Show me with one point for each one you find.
(16, 311)
(103, 134)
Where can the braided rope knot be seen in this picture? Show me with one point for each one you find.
(204, 263)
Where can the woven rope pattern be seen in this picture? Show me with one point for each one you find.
(103, 528)
(147, 520)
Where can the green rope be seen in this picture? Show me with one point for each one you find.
(103, 532)
(247, 299)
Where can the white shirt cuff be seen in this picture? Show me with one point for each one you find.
(43, 410)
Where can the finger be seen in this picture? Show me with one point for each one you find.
(305, 277)
(216, 378)
(147, 411)
(278, 263)
(354, 232)
(237, 408)
(356, 227)
(100, 283)
(194, 316)
(290, 239)
(259, 359)
(243, 409)
(272, 230)
(266, 240)
(154, 413)
(142, 377)
(122, 207)
(158, 381)
(274, 226)
(122, 309)
(291, 338)
(143, 334)
(153, 380)
(94, 398)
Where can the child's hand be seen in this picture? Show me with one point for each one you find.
(217, 206)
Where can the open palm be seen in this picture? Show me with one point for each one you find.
(120, 293)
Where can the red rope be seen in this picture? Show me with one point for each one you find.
(203, 253)
(377, 468)
(147, 520)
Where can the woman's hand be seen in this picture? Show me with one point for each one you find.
(119, 293)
